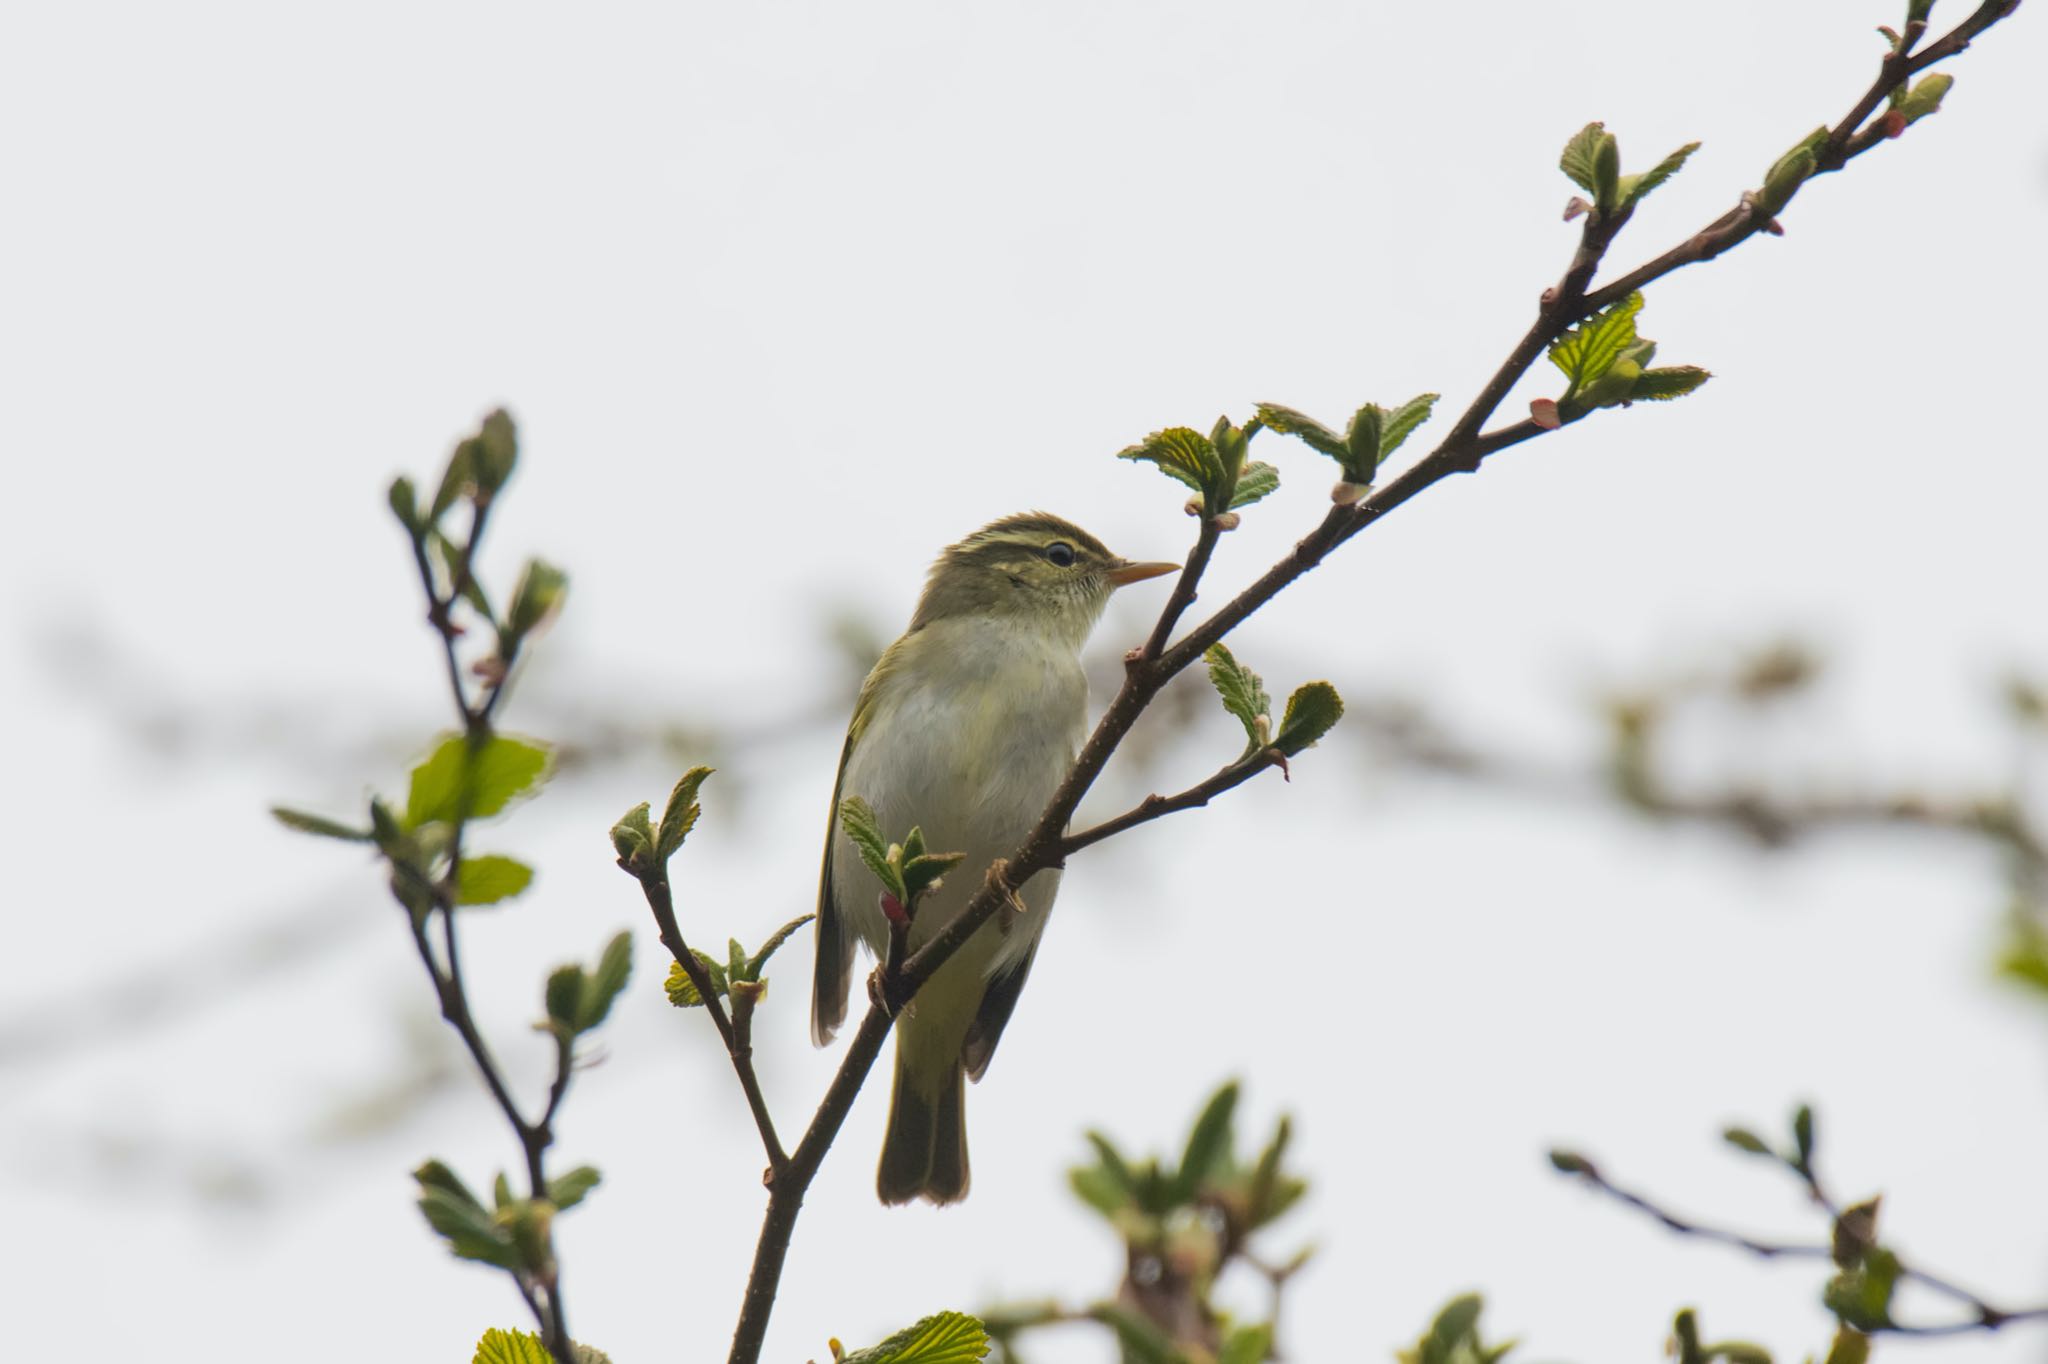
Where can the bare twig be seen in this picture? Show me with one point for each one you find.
(1983, 1316)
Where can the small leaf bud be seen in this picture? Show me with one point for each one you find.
(1346, 493)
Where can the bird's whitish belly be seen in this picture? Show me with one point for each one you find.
(970, 753)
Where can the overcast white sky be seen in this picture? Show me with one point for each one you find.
(785, 297)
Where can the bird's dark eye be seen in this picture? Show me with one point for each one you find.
(1061, 553)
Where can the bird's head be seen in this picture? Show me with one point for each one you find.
(1033, 570)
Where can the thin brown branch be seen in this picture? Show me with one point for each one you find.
(1983, 1316)
(1183, 589)
(1155, 806)
(1148, 671)
(737, 1047)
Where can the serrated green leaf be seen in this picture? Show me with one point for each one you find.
(1246, 1345)
(1184, 454)
(1577, 160)
(1662, 171)
(304, 823)
(1668, 383)
(452, 780)
(511, 1347)
(487, 879)
(1396, 426)
(759, 960)
(857, 817)
(1257, 480)
(564, 997)
(1587, 351)
(602, 986)
(1311, 432)
(921, 873)
(679, 816)
(567, 1190)
(1658, 174)
(467, 1228)
(1311, 711)
(943, 1338)
(1207, 1155)
(682, 992)
(1244, 695)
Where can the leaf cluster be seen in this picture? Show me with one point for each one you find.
(1312, 711)
(1607, 365)
(514, 1234)
(1592, 161)
(1215, 465)
(645, 848)
(738, 973)
(1373, 434)
(908, 870)
(579, 999)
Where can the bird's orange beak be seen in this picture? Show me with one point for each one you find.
(1136, 573)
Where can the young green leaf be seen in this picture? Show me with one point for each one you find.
(405, 505)
(1862, 1297)
(1208, 1154)
(857, 817)
(1664, 385)
(1265, 1181)
(1313, 433)
(316, 824)
(1311, 711)
(564, 998)
(1141, 1341)
(511, 1347)
(1396, 426)
(1789, 172)
(759, 960)
(536, 600)
(1802, 1134)
(455, 480)
(1258, 479)
(1363, 440)
(680, 814)
(1590, 349)
(633, 838)
(923, 872)
(435, 1175)
(1926, 95)
(1579, 153)
(1744, 1140)
(501, 1192)
(452, 781)
(487, 879)
(944, 1338)
(1182, 453)
(470, 1231)
(1243, 694)
(567, 1190)
(1636, 188)
(493, 452)
(1607, 173)
(602, 986)
(682, 991)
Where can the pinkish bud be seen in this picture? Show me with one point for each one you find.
(1346, 494)
(1893, 123)
(892, 909)
(1226, 520)
(1576, 208)
(1543, 411)
(1194, 506)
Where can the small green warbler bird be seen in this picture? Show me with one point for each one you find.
(966, 727)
